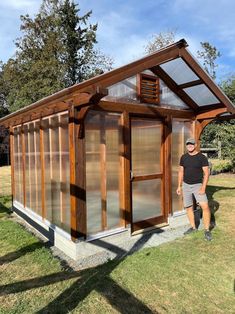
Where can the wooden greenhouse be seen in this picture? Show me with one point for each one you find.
(101, 157)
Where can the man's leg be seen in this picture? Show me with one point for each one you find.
(206, 214)
(190, 214)
(206, 220)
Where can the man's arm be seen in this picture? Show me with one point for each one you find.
(180, 179)
(206, 173)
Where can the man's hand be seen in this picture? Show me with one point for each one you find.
(178, 191)
(202, 191)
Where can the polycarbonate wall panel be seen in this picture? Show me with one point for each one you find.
(38, 175)
(27, 170)
(181, 130)
(55, 169)
(64, 172)
(47, 171)
(55, 140)
(146, 199)
(17, 170)
(32, 168)
(201, 95)
(179, 71)
(167, 97)
(102, 171)
(146, 146)
(113, 171)
(124, 89)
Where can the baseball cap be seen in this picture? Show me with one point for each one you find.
(190, 141)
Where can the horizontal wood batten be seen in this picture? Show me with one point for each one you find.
(147, 177)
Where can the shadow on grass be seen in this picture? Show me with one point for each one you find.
(213, 204)
(3, 208)
(95, 279)
(10, 257)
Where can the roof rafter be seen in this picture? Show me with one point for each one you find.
(174, 87)
(190, 84)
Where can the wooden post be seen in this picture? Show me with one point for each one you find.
(168, 165)
(126, 164)
(77, 176)
(12, 162)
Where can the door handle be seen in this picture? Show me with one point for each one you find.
(131, 175)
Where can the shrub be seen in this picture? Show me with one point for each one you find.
(219, 166)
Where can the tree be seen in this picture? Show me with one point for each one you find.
(160, 40)
(55, 51)
(228, 87)
(3, 92)
(209, 54)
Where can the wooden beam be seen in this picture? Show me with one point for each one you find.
(148, 110)
(210, 114)
(168, 164)
(190, 84)
(174, 87)
(126, 159)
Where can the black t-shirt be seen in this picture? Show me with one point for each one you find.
(193, 172)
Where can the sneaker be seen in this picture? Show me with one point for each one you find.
(190, 230)
(208, 236)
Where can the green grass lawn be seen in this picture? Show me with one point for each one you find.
(188, 275)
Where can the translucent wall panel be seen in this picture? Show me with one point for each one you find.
(27, 169)
(32, 168)
(64, 172)
(102, 171)
(16, 165)
(167, 97)
(38, 168)
(124, 89)
(201, 95)
(55, 169)
(179, 71)
(146, 199)
(181, 130)
(112, 170)
(47, 175)
(145, 146)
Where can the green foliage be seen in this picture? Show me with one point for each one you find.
(220, 166)
(228, 87)
(223, 131)
(55, 51)
(209, 54)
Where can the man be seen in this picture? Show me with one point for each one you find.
(192, 180)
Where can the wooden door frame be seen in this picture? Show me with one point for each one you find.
(151, 222)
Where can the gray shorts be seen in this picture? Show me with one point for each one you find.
(193, 189)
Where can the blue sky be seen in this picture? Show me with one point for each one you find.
(125, 26)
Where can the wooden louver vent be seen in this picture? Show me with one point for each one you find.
(149, 89)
